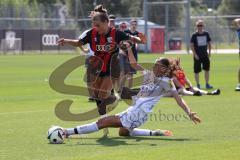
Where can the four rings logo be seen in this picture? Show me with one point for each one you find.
(102, 48)
(105, 48)
(50, 39)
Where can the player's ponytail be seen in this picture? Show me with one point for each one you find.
(175, 64)
(100, 9)
(99, 13)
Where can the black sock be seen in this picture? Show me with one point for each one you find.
(101, 107)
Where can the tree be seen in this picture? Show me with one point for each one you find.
(229, 7)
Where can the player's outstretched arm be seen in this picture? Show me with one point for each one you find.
(71, 42)
(192, 115)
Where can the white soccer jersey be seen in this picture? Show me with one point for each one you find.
(152, 89)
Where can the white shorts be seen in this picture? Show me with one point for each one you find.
(133, 118)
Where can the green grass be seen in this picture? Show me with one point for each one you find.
(27, 111)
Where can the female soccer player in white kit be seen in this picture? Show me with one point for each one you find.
(156, 83)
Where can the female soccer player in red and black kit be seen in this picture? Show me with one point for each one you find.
(103, 41)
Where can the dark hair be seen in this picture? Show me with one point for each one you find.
(100, 9)
(167, 67)
(99, 13)
(111, 16)
(165, 62)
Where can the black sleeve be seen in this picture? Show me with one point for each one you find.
(127, 31)
(121, 36)
(85, 37)
(208, 37)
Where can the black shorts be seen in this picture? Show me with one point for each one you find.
(202, 63)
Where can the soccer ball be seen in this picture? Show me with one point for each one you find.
(55, 135)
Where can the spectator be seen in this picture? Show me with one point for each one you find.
(201, 48)
(237, 24)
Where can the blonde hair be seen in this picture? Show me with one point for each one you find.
(199, 21)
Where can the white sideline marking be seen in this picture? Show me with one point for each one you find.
(214, 51)
(22, 112)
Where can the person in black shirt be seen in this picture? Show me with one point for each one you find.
(237, 24)
(201, 48)
(103, 41)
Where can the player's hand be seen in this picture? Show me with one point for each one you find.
(196, 57)
(61, 42)
(85, 50)
(128, 45)
(124, 45)
(143, 38)
(193, 116)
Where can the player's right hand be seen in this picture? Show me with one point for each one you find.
(193, 116)
(143, 38)
(196, 57)
(124, 45)
(61, 42)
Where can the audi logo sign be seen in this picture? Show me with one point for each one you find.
(50, 39)
(38, 39)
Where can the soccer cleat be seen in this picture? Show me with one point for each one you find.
(197, 93)
(198, 86)
(208, 86)
(160, 132)
(216, 92)
(237, 88)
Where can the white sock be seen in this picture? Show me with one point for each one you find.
(140, 132)
(87, 128)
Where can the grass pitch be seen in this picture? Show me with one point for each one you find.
(27, 111)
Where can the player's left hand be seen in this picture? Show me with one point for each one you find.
(193, 116)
